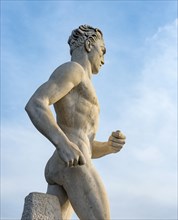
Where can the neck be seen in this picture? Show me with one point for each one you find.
(81, 57)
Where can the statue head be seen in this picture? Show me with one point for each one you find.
(79, 36)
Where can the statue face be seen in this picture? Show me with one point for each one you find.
(96, 55)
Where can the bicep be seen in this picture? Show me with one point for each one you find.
(60, 83)
(51, 92)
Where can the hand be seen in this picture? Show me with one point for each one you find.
(116, 141)
(71, 155)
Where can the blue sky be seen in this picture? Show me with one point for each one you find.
(137, 91)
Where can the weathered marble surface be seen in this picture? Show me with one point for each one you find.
(40, 206)
(70, 172)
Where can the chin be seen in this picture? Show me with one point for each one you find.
(96, 71)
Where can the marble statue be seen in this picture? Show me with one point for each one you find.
(70, 173)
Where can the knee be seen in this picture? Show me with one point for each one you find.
(94, 213)
(102, 215)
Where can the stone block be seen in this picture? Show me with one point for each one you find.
(41, 206)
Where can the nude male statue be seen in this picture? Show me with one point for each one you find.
(70, 172)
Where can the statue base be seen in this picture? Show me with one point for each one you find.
(41, 206)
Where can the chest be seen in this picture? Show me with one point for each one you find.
(87, 92)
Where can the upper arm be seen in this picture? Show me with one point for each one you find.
(60, 83)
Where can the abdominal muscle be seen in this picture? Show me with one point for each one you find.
(80, 138)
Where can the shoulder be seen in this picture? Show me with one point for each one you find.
(70, 72)
(73, 66)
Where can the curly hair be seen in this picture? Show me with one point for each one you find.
(81, 34)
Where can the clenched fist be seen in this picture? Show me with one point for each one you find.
(116, 141)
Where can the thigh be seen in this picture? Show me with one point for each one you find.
(86, 193)
(83, 188)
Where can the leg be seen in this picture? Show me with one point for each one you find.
(66, 208)
(86, 193)
(81, 185)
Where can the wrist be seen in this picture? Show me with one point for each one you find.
(61, 143)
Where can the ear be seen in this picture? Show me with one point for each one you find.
(88, 46)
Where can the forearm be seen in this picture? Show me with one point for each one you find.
(42, 118)
(113, 145)
(99, 149)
